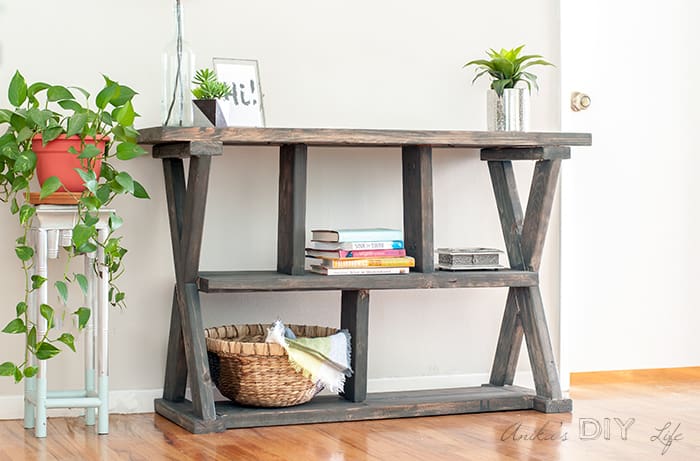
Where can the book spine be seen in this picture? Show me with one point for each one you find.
(338, 263)
(369, 235)
(371, 253)
(383, 245)
(360, 271)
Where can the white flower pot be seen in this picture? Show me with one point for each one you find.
(510, 112)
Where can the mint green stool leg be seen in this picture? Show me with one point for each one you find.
(90, 336)
(29, 393)
(30, 383)
(102, 341)
(41, 267)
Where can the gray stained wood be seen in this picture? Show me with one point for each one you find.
(186, 213)
(186, 149)
(417, 181)
(176, 368)
(291, 222)
(354, 316)
(360, 138)
(510, 212)
(234, 281)
(524, 236)
(383, 405)
(532, 153)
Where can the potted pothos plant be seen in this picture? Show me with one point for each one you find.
(70, 142)
(207, 93)
(508, 104)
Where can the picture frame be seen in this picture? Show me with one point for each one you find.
(244, 106)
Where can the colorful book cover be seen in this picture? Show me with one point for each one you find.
(374, 234)
(379, 245)
(344, 263)
(383, 253)
(323, 270)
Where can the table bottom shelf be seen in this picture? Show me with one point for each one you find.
(324, 409)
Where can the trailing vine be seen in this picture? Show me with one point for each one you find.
(49, 111)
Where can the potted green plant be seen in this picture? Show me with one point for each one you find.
(508, 105)
(207, 92)
(85, 138)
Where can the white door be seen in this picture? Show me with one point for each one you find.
(630, 214)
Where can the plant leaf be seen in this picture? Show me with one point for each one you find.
(125, 114)
(82, 234)
(51, 133)
(46, 351)
(69, 104)
(25, 213)
(30, 372)
(62, 289)
(90, 151)
(25, 162)
(103, 191)
(139, 191)
(115, 222)
(15, 326)
(125, 180)
(21, 308)
(37, 281)
(58, 93)
(126, 94)
(31, 339)
(89, 179)
(76, 123)
(17, 91)
(24, 253)
(105, 95)
(51, 185)
(68, 340)
(129, 150)
(91, 202)
(7, 369)
(5, 115)
(83, 283)
(83, 314)
(47, 312)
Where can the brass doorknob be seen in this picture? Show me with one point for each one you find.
(580, 101)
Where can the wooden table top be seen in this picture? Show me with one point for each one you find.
(361, 137)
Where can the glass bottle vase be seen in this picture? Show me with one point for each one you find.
(178, 69)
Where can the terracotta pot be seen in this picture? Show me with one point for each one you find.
(54, 159)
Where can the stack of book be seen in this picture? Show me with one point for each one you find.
(358, 252)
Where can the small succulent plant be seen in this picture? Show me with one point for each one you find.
(209, 86)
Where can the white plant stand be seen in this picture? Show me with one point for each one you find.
(52, 229)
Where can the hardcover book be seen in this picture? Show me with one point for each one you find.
(379, 245)
(323, 270)
(375, 234)
(342, 263)
(393, 253)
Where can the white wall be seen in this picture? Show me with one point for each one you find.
(631, 219)
(390, 64)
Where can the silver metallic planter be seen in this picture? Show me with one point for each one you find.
(511, 112)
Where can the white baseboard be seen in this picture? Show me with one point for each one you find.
(128, 401)
(141, 400)
(414, 383)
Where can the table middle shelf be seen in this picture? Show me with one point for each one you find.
(242, 281)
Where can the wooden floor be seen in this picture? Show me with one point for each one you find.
(646, 401)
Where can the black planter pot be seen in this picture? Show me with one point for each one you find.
(211, 110)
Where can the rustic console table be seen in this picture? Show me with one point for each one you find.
(524, 236)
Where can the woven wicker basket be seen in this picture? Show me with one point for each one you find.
(252, 372)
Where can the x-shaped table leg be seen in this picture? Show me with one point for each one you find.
(524, 238)
(187, 353)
